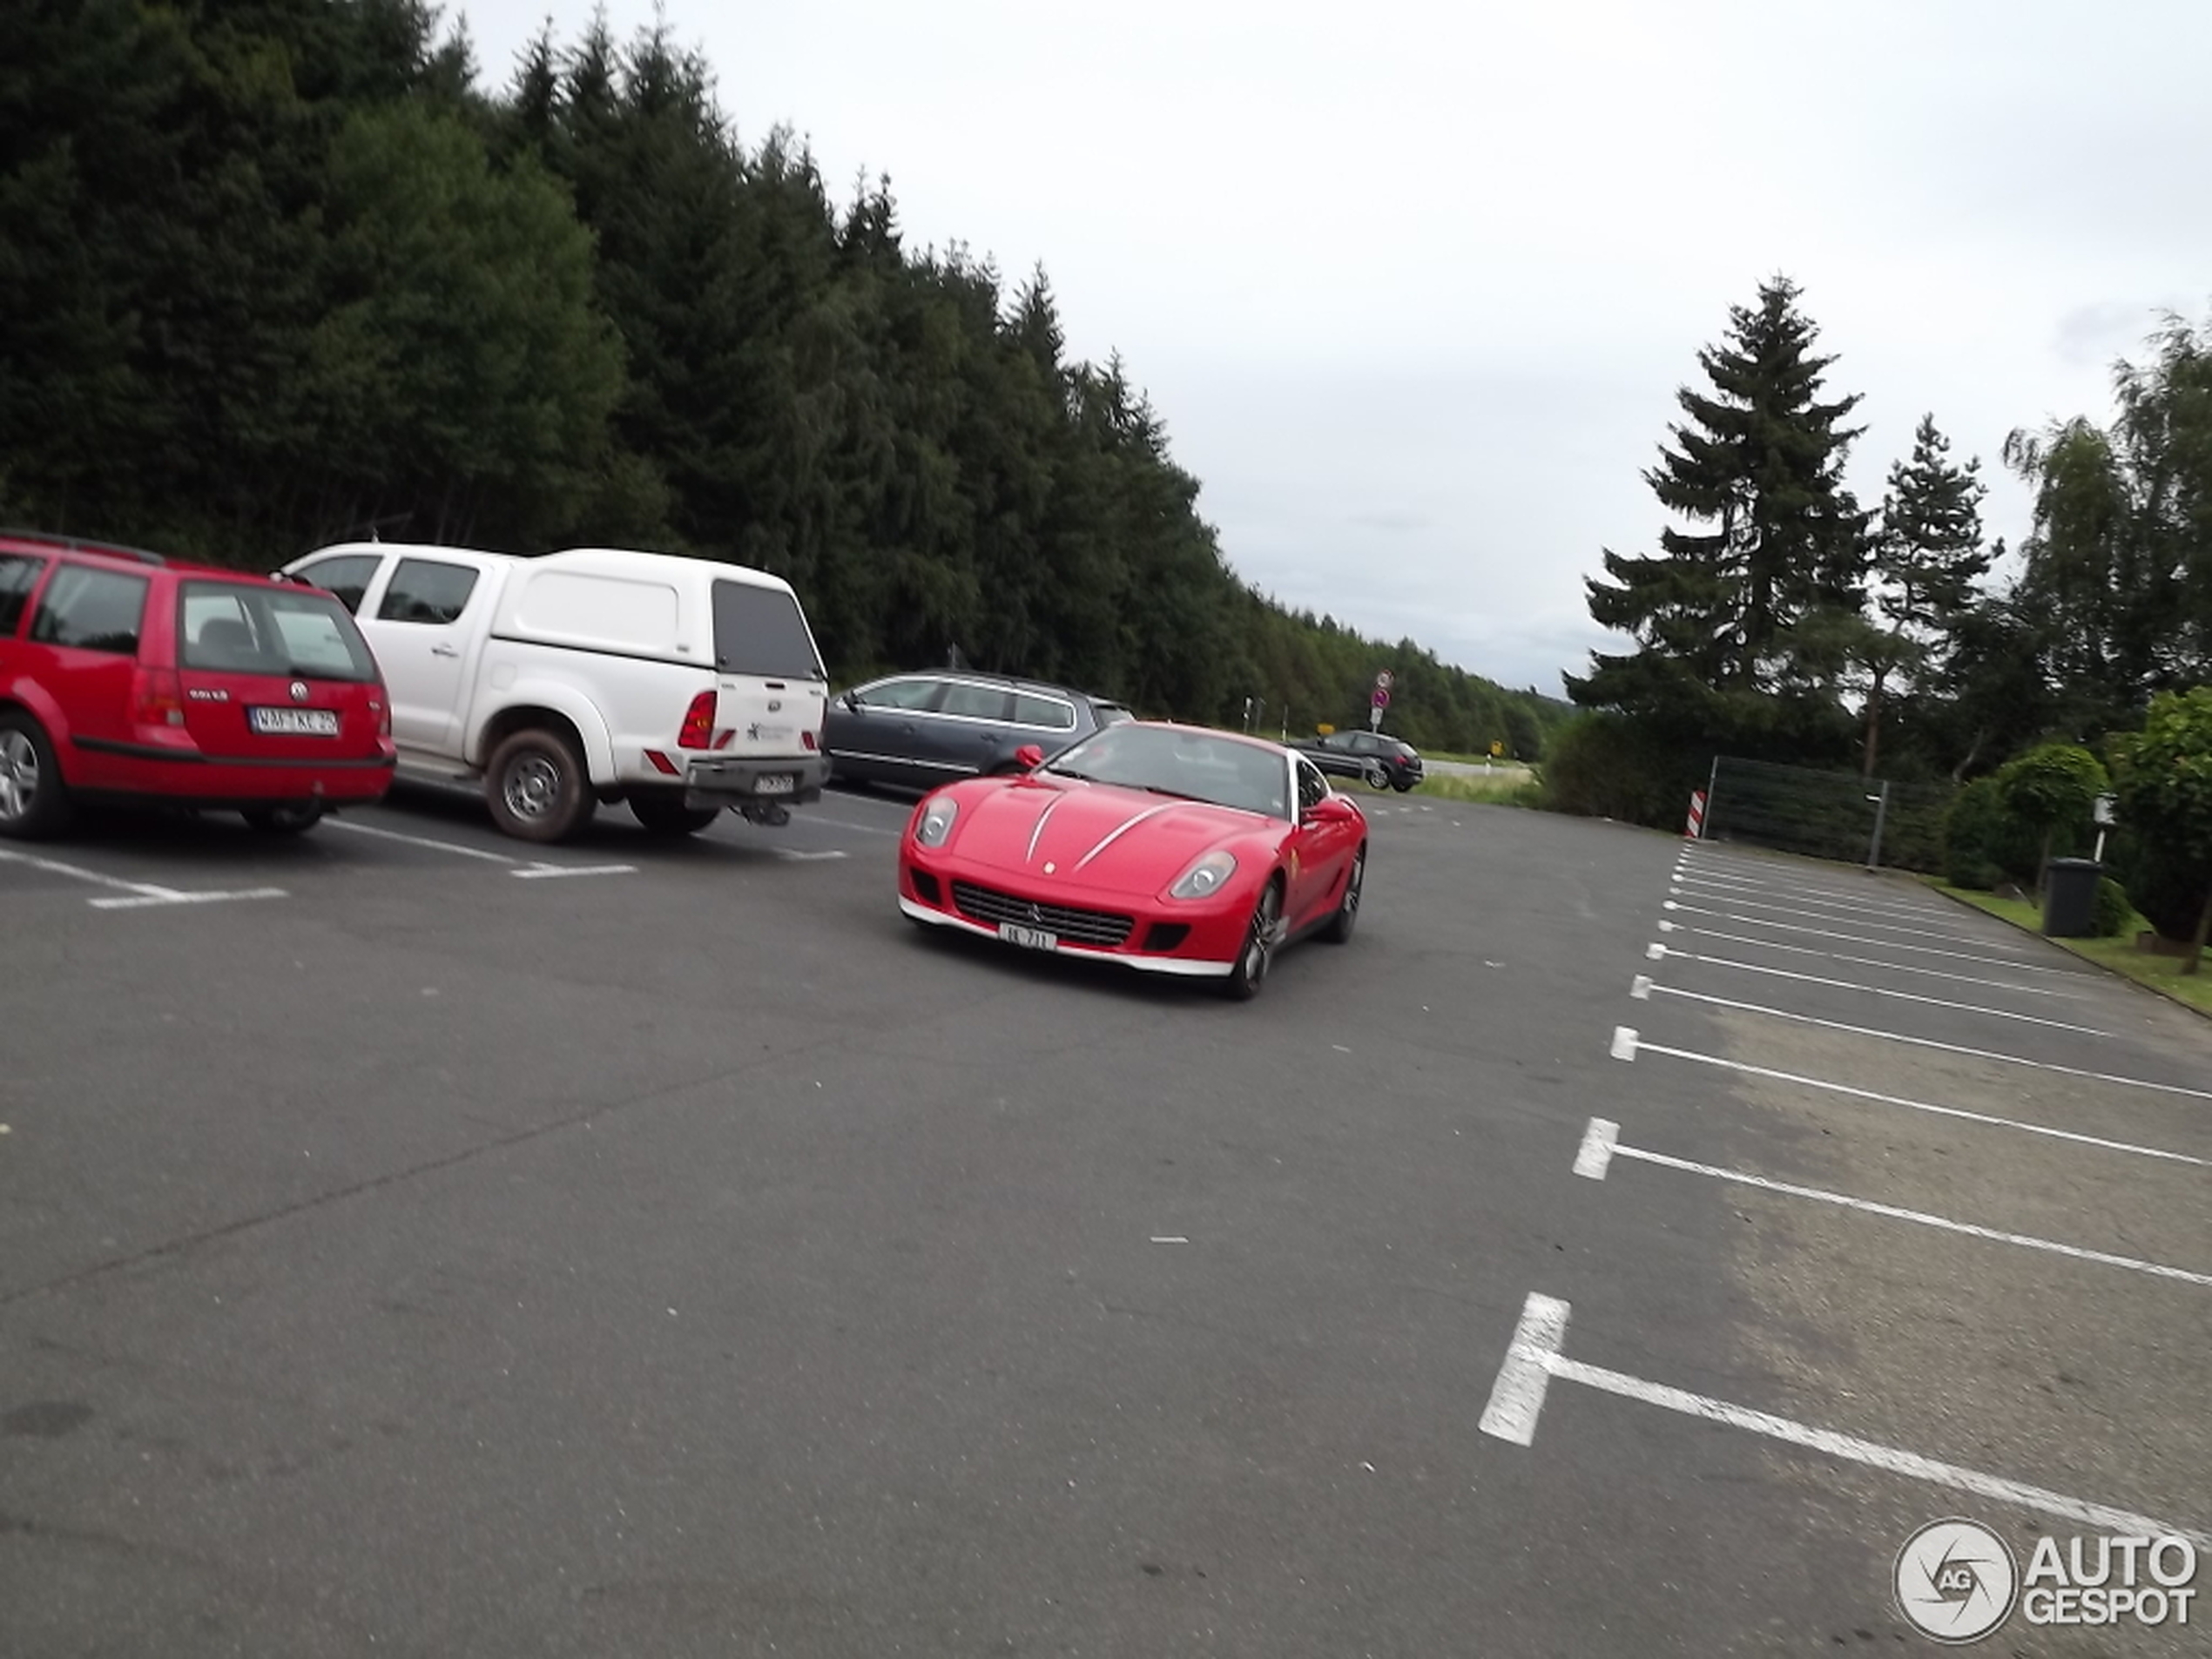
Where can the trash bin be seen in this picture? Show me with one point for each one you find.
(2070, 898)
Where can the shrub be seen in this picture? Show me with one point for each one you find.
(1970, 831)
(2114, 915)
(1605, 766)
(2051, 790)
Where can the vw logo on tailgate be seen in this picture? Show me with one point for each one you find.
(298, 691)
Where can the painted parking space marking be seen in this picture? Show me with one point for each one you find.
(1593, 1165)
(1869, 961)
(2012, 963)
(1629, 1044)
(1534, 1359)
(1879, 927)
(133, 895)
(1664, 953)
(528, 869)
(1726, 889)
(1929, 1043)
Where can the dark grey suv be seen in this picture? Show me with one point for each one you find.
(927, 728)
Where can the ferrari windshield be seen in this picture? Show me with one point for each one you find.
(1168, 760)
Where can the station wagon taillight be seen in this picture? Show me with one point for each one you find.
(157, 698)
(699, 723)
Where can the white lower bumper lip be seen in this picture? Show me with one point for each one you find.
(1180, 966)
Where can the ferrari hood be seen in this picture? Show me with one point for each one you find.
(1099, 835)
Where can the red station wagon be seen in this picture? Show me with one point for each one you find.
(124, 676)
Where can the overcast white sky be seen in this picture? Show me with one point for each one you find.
(1414, 284)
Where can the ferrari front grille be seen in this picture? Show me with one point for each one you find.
(1077, 927)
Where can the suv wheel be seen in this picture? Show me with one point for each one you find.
(537, 788)
(33, 802)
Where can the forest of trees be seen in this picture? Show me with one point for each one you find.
(278, 273)
(1790, 623)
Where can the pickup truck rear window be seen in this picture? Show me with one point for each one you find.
(228, 628)
(759, 631)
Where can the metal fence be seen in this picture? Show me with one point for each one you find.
(1827, 814)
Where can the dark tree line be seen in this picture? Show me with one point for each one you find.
(1781, 620)
(274, 272)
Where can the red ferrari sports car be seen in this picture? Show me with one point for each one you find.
(1171, 848)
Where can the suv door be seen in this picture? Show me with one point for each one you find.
(419, 636)
(83, 648)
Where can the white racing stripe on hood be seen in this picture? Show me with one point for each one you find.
(1113, 836)
(1037, 829)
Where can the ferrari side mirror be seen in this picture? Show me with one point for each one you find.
(1028, 756)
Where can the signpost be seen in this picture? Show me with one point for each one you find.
(1379, 701)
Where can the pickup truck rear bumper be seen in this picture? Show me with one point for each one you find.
(736, 783)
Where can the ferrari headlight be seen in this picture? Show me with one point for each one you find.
(937, 823)
(1205, 877)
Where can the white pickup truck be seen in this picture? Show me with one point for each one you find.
(681, 686)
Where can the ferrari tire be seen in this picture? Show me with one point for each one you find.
(1337, 930)
(1261, 935)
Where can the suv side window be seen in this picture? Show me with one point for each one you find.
(426, 590)
(1312, 787)
(19, 574)
(911, 695)
(1049, 713)
(976, 702)
(345, 577)
(89, 608)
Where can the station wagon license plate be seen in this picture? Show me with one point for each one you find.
(294, 723)
(774, 783)
(1028, 938)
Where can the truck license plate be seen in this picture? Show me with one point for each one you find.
(774, 783)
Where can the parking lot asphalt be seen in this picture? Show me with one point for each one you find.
(413, 1242)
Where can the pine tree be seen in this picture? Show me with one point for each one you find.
(1928, 555)
(1721, 612)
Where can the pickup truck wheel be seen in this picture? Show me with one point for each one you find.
(536, 787)
(671, 817)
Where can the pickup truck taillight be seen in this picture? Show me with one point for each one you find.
(156, 697)
(699, 723)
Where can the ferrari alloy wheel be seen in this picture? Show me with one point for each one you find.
(1348, 915)
(1261, 936)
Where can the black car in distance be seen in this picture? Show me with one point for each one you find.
(1383, 761)
(920, 730)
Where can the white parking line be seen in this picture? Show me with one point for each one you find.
(1868, 962)
(1593, 1167)
(1863, 907)
(1930, 1042)
(527, 869)
(1534, 1358)
(1660, 952)
(1879, 927)
(139, 896)
(2011, 962)
(1629, 1044)
(840, 823)
(797, 856)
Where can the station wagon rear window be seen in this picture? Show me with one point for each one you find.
(760, 632)
(228, 627)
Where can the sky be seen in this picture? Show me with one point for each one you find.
(1415, 286)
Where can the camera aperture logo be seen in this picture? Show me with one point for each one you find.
(1956, 1581)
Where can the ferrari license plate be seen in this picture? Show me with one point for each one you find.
(774, 783)
(295, 723)
(1028, 938)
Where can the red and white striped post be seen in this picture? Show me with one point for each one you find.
(1694, 830)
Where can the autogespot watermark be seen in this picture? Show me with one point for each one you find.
(1958, 1581)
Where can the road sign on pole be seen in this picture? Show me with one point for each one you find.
(1383, 681)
